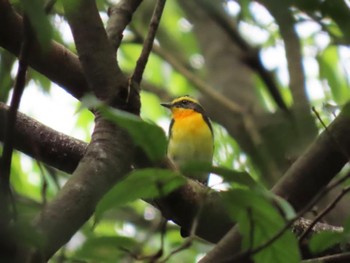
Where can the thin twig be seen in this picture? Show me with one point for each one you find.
(341, 257)
(162, 225)
(148, 43)
(339, 145)
(323, 213)
(6, 158)
(183, 246)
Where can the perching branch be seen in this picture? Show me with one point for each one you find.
(180, 205)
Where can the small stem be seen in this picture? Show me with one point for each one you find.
(148, 43)
(323, 213)
(6, 158)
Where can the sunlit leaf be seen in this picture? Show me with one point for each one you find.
(144, 183)
(339, 11)
(150, 137)
(330, 70)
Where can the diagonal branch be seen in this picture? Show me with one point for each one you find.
(304, 179)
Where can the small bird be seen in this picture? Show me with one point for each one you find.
(191, 137)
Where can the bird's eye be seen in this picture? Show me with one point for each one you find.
(184, 102)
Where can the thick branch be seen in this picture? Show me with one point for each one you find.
(95, 51)
(43, 143)
(108, 156)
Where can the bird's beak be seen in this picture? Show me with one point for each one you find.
(166, 105)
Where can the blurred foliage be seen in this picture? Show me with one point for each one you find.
(259, 221)
(127, 228)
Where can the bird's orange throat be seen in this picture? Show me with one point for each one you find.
(179, 113)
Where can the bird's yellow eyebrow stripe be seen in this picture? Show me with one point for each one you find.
(184, 98)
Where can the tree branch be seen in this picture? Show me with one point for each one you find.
(6, 157)
(119, 17)
(311, 172)
(95, 51)
(148, 44)
(304, 179)
(108, 156)
(43, 143)
(58, 63)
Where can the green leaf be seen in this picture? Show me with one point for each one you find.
(239, 177)
(259, 219)
(143, 183)
(150, 137)
(39, 21)
(324, 240)
(331, 71)
(286, 207)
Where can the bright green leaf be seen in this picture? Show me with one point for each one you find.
(150, 137)
(239, 177)
(333, 73)
(144, 183)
